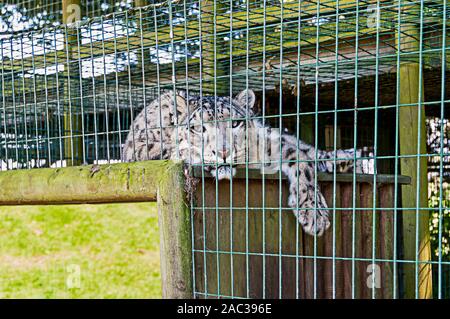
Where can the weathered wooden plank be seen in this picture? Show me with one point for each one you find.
(252, 173)
(274, 233)
(359, 247)
(288, 245)
(365, 241)
(387, 240)
(346, 236)
(123, 182)
(333, 268)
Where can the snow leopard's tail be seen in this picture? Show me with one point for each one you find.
(345, 161)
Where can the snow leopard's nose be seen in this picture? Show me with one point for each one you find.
(223, 154)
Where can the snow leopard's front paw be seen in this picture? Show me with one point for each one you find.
(313, 221)
(313, 218)
(365, 161)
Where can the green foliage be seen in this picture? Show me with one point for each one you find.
(116, 248)
(433, 201)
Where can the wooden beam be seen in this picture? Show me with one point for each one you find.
(413, 139)
(90, 184)
(227, 21)
(307, 48)
(254, 173)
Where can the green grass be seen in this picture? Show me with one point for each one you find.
(114, 247)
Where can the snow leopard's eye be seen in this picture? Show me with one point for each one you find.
(236, 123)
(198, 129)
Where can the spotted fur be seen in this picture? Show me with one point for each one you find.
(214, 131)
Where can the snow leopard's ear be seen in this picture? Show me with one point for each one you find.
(246, 99)
(180, 99)
(178, 95)
(181, 93)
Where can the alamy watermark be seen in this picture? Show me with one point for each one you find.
(373, 16)
(73, 13)
(73, 278)
(374, 276)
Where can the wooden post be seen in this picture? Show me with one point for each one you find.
(73, 147)
(175, 236)
(409, 132)
(140, 3)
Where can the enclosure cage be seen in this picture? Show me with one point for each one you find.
(335, 74)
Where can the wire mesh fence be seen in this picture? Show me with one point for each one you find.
(78, 76)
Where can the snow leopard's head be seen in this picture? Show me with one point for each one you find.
(216, 131)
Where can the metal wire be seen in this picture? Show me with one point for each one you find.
(328, 72)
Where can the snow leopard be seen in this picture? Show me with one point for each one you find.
(212, 131)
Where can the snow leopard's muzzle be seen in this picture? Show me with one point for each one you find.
(223, 172)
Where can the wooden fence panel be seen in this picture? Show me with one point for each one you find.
(264, 252)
